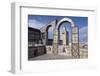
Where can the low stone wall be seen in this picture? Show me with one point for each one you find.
(49, 50)
(36, 51)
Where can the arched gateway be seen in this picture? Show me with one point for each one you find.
(56, 35)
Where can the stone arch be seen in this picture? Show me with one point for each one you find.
(44, 30)
(75, 45)
(47, 32)
(65, 20)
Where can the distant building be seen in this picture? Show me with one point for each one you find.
(35, 47)
(34, 35)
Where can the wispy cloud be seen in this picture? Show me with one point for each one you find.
(35, 24)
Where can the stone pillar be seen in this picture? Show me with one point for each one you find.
(55, 42)
(44, 37)
(75, 42)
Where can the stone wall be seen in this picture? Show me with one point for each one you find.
(36, 51)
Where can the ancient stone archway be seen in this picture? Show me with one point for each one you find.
(75, 37)
(44, 31)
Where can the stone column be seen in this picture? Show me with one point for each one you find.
(55, 42)
(44, 37)
(75, 42)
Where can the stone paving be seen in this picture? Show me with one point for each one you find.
(50, 57)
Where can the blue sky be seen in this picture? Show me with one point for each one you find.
(38, 21)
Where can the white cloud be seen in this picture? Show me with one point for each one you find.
(35, 24)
